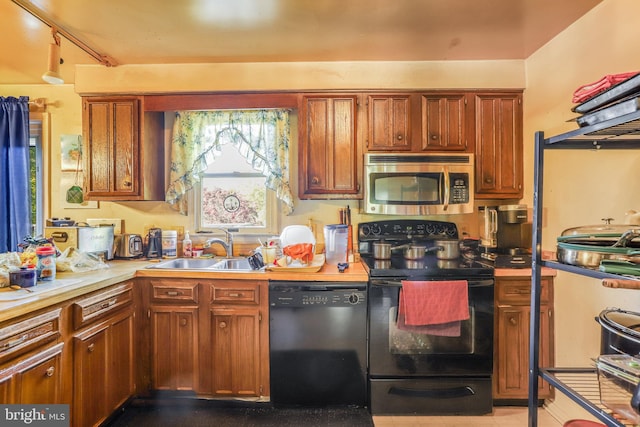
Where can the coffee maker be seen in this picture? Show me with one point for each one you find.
(154, 244)
(505, 236)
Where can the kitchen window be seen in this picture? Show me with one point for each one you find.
(231, 194)
(35, 177)
(238, 163)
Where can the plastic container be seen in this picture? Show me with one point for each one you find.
(619, 380)
(24, 277)
(336, 237)
(46, 263)
(187, 246)
(169, 243)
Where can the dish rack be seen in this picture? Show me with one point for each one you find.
(579, 384)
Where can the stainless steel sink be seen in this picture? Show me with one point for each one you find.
(185, 264)
(222, 264)
(232, 264)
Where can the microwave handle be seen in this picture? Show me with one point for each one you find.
(445, 172)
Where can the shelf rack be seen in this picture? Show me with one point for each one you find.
(577, 383)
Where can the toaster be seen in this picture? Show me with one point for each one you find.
(129, 246)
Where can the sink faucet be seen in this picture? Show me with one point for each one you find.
(227, 243)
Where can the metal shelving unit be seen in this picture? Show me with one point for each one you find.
(579, 384)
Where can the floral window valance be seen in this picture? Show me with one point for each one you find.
(261, 136)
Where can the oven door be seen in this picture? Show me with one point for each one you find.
(395, 353)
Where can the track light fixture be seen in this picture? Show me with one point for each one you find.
(52, 75)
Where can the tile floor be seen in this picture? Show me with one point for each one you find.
(501, 417)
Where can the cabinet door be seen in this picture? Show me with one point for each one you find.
(120, 363)
(174, 347)
(498, 145)
(444, 122)
(328, 148)
(235, 334)
(38, 379)
(6, 383)
(512, 358)
(111, 154)
(90, 378)
(389, 125)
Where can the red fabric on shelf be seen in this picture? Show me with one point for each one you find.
(433, 307)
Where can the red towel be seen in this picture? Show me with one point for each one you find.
(433, 307)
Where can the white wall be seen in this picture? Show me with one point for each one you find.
(581, 187)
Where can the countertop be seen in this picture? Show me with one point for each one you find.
(69, 285)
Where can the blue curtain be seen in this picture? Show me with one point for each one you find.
(15, 196)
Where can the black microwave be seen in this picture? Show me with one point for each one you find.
(419, 184)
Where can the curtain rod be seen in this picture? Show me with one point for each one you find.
(47, 20)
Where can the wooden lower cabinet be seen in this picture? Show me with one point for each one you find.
(173, 314)
(35, 379)
(238, 344)
(103, 353)
(511, 348)
(174, 336)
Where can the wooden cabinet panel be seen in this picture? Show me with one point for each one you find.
(104, 356)
(444, 122)
(37, 379)
(102, 304)
(90, 378)
(25, 335)
(328, 150)
(236, 351)
(121, 155)
(389, 125)
(174, 347)
(499, 145)
(511, 349)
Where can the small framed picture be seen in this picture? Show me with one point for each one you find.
(70, 152)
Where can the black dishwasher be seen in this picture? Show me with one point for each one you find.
(318, 343)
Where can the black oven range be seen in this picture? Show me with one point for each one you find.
(433, 368)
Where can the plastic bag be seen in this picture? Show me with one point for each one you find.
(8, 261)
(74, 260)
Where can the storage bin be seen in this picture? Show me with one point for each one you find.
(618, 379)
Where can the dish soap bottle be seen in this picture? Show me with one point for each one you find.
(187, 247)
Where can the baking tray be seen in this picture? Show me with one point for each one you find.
(610, 112)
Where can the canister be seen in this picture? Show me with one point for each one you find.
(46, 262)
(24, 277)
(169, 243)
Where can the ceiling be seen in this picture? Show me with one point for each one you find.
(214, 31)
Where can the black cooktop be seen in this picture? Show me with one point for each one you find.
(399, 232)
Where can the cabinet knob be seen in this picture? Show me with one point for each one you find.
(91, 347)
(183, 322)
(127, 183)
(513, 321)
(235, 295)
(222, 325)
(488, 180)
(434, 136)
(50, 371)
(315, 180)
(399, 137)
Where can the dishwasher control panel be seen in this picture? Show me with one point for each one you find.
(322, 296)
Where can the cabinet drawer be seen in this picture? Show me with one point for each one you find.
(101, 304)
(519, 291)
(235, 294)
(171, 291)
(25, 335)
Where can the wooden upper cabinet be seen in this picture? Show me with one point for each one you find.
(389, 125)
(444, 122)
(498, 128)
(328, 149)
(123, 150)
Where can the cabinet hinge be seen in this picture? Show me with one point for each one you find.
(148, 313)
(260, 317)
(465, 101)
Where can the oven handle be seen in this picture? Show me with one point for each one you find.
(398, 283)
(447, 393)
